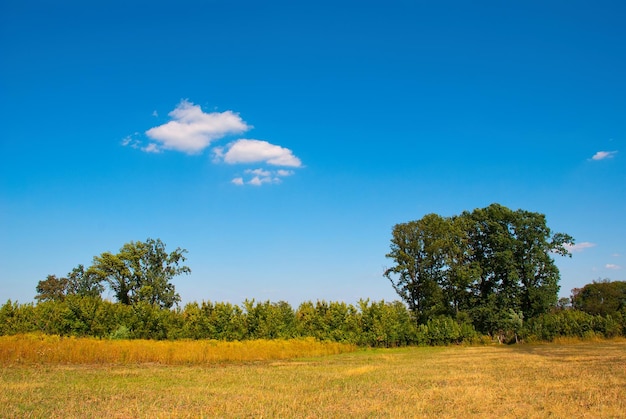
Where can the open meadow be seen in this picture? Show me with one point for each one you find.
(39, 378)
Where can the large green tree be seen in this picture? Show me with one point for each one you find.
(513, 252)
(141, 272)
(418, 250)
(483, 263)
(601, 297)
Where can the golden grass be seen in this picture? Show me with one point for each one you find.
(35, 348)
(574, 380)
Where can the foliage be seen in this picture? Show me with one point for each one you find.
(572, 323)
(78, 282)
(52, 289)
(83, 282)
(600, 297)
(485, 272)
(380, 324)
(141, 272)
(482, 263)
(374, 324)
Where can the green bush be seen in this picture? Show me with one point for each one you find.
(369, 323)
(122, 332)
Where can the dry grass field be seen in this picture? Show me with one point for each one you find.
(562, 380)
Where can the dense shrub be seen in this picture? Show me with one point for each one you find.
(571, 323)
(380, 324)
(444, 330)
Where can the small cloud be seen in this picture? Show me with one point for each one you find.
(218, 154)
(258, 180)
(259, 172)
(191, 130)
(255, 151)
(131, 141)
(602, 155)
(151, 148)
(577, 248)
(284, 173)
(612, 266)
(261, 177)
(155, 114)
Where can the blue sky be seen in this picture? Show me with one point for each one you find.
(279, 142)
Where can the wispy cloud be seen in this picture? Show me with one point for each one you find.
(191, 130)
(577, 248)
(131, 141)
(255, 151)
(612, 266)
(258, 177)
(151, 148)
(602, 155)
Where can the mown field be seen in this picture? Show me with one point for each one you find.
(308, 379)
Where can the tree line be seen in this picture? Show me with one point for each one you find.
(367, 323)
(481, 275)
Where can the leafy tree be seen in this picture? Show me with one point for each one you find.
(601, 297)
(483, 263)
(78, 282)
(84, 283)
(492, 247)
(418, 249)
(52, 289)
(513, 252)
(141, 272)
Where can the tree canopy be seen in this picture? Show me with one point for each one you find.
(142, 271)
(491, 265)
(600, 297)
(139, 272)
(78, 282)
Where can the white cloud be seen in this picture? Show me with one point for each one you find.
(258, 177)
(258, 180)
(254, 151)
(151, 148)
(259, 172)
(131, 141)
(601, 155)
(577, 248)
(191, 130)
(612, 266)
